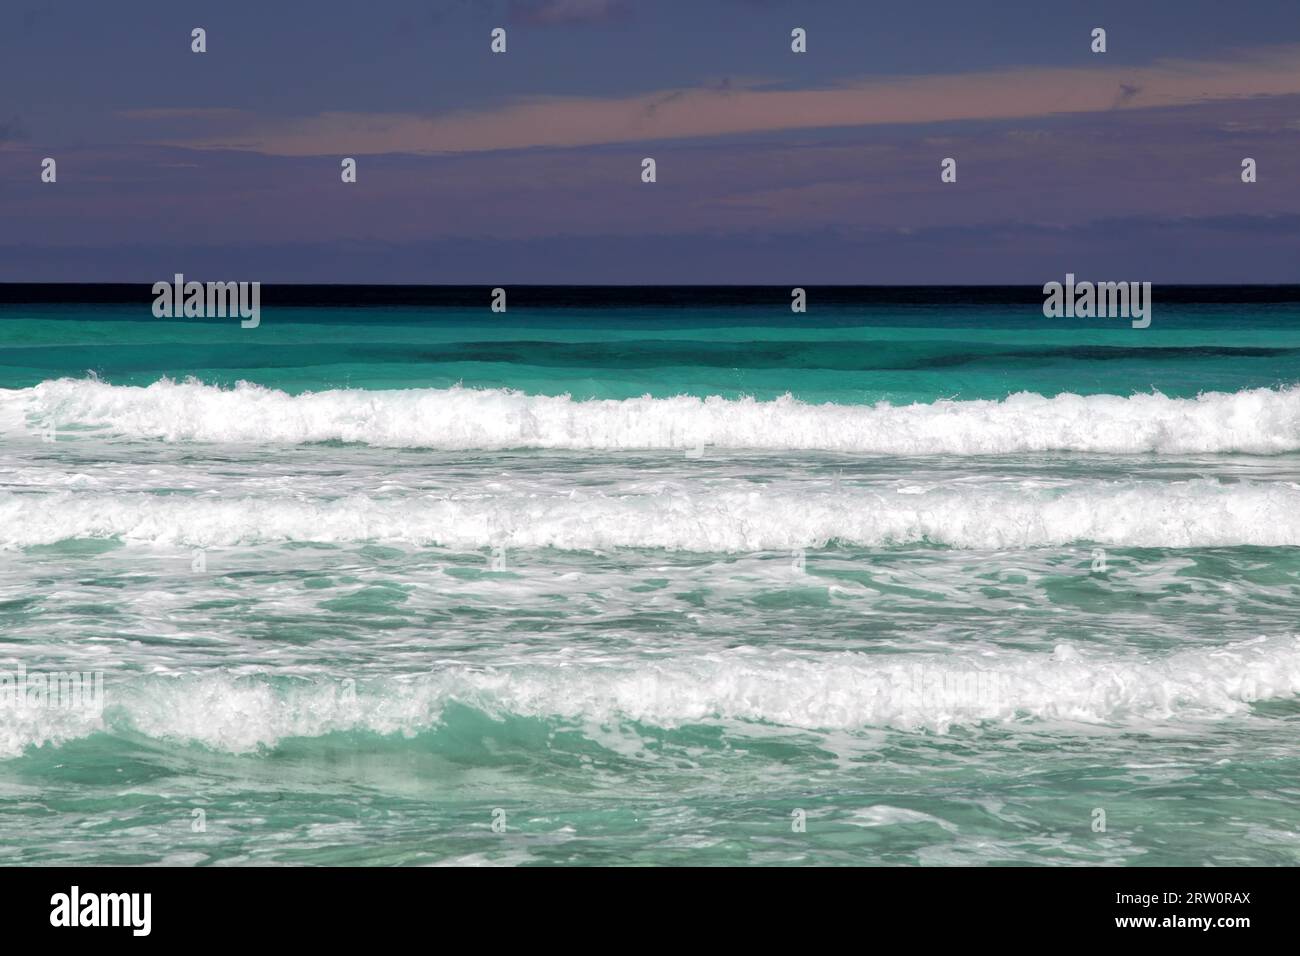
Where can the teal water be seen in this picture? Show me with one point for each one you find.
(839, 355)
(429, 570)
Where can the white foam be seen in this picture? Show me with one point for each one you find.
(1262, 421)
(733, 518)
(845, 691)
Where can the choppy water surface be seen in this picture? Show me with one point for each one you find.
(707, 588)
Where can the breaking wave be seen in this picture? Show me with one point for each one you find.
(1260, 421)
(1198, 513)
(843, 691)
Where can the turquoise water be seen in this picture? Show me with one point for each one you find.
(904, 585)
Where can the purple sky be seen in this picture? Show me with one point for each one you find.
(772, 166)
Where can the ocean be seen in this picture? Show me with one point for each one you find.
(651, 577)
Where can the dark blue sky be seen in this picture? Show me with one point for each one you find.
(772, 166)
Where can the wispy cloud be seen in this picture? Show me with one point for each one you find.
(218, 112)
(747, 107)
(566, 11)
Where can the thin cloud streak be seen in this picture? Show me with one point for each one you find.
(551, 122)
(566, 11)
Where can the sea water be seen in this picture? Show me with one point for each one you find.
(878, 583)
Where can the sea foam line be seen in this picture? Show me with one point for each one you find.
(1199, 513)
(844, 691)
(1260, 421)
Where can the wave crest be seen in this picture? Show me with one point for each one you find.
(1200, 513)
(1259, 421)
(846, 691)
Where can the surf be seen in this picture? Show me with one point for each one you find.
(1255, 421)
(735, 687)
(730, 517)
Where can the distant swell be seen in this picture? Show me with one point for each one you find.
(1261, 421)
(783, 688)
(1200, 513)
